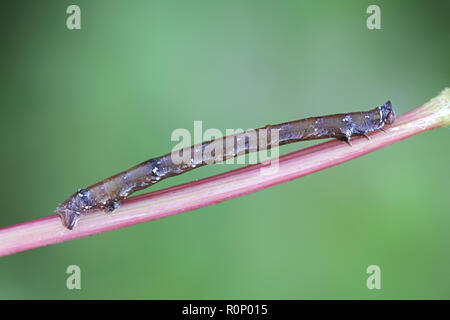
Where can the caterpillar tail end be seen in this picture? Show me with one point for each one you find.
(388, 113)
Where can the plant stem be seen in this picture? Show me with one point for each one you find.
(196, 194)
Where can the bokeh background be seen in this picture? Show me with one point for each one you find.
(78, 106)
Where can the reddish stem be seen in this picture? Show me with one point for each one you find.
(196, 194)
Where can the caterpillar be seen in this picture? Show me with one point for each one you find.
(107, 194)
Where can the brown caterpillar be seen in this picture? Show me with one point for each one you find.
(108, 194)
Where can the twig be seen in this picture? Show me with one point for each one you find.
(196, 194)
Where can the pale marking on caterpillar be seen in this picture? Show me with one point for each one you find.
(108, 194)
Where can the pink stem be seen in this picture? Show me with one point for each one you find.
(196, 194)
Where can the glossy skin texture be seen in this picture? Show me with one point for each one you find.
(340, 126)
(107, 194)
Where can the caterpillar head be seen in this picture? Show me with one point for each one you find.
(70, 210)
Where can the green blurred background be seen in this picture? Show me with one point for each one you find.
(78, 106)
